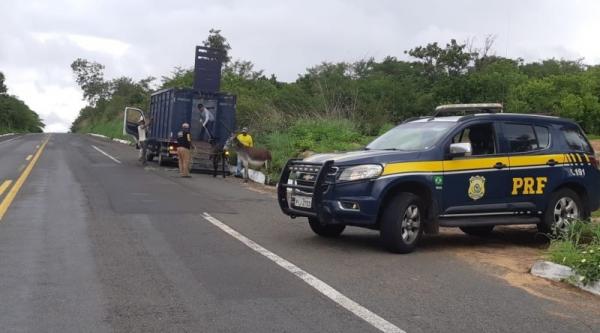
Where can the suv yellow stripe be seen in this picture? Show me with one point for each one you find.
(531, 160)
(473, 163)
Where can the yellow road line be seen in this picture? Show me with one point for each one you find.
(21, 180)
(28, 157)
(4, 186)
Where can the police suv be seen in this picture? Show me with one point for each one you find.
(474, 171)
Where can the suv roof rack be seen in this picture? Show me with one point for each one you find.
(463, 109)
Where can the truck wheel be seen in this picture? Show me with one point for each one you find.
(564, 207)
(325, 230)
(483, 230)
(402, 223)
(149, 157)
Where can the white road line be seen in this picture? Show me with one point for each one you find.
(322, 287)
(105, 154)
(9, 140)
(28, 157)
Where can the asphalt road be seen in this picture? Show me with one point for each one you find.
(92, 243)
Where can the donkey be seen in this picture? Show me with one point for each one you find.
(250, 156)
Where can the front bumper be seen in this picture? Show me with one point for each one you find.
(349, 203)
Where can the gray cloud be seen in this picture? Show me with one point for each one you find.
(282, 37)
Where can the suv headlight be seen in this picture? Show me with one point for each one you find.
(361, 172)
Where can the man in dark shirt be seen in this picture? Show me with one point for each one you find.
(184, 143)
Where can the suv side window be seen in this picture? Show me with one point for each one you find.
(524, 138)
(576, 140)
(481, 136)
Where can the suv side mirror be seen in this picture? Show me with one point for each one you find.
(460, 149)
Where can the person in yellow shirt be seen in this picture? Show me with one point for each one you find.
(245, 139)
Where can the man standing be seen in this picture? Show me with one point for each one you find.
(207, 122)
(142, 128)
(245, 139)
(184, 143)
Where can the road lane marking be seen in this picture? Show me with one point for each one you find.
(7, 141)
(322, 287)
(21, 180)
(106, 154)
(28, 157)
(4, 186)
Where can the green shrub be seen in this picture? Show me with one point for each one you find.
(579, 248)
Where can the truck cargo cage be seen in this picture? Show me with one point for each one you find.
(304, 180)
(465, 109)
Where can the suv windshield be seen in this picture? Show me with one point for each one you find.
(412, 136)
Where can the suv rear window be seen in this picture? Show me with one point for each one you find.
(523, 138)
(576, 140)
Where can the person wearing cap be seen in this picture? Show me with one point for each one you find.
(184, 143)
(245, 139)
(142, 128)
(208, 120)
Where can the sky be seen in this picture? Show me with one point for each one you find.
(135, 38)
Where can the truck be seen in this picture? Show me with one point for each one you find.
(170, 108)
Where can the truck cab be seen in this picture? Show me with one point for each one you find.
(474, 170)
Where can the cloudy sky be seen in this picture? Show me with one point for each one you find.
(40, 39)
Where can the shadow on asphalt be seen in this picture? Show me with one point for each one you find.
(448, 239)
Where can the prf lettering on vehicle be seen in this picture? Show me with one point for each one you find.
(529, 185)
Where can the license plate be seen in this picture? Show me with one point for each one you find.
(303, 202)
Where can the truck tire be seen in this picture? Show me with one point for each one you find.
(149, 157)
(483, 230)
(402, 223)
(563, 208)
(325, 230)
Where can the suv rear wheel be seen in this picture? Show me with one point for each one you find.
(402, 223)
(564, 207)
(325, 230)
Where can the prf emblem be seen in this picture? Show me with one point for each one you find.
(476, 187)
(529, 185)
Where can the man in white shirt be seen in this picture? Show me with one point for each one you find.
(142, 128)
(207, 122)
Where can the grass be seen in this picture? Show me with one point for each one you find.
(308, 136)
(578, 248)
(112, 129)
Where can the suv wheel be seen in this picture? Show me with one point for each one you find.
(402, 223)
(564, 207)
(483, 230)
(325, 230)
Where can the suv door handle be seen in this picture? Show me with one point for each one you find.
(552, 162)
(500, 165)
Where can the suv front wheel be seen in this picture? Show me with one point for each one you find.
(564, 207)
(402, 223)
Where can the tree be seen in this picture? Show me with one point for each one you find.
(216, 41)
(2, 86)
(90, 78)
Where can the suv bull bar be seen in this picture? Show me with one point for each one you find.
(309, 179)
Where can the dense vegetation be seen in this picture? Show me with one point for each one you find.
(15, 115)
(579, 248)
(341, 105)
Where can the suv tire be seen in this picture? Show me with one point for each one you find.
(402, 223)
(564, 206)
(480, 231)
(325, 230)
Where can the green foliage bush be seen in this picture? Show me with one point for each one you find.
(579, 248)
